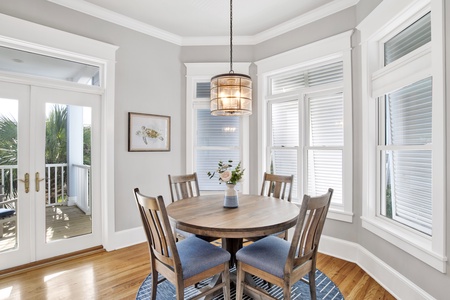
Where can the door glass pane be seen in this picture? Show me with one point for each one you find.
(8, 174)
(67, 171)
(28, 63)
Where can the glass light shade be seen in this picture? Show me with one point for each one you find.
(231, 95)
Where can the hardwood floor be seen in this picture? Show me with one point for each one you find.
(118, 275)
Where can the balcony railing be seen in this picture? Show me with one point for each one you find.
(56, 179)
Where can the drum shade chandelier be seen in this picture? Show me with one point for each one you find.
(231, 93)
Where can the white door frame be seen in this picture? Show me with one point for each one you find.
(23, 35)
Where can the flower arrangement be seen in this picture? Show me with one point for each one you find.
(226, 174)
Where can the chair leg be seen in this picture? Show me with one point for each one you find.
(312, 284)
(226, 280)
(154, 284)
(287, 291)
(240, 277)
(180, 291)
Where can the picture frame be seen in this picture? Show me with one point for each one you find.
(147, 132)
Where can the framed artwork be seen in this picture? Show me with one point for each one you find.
(148, 132)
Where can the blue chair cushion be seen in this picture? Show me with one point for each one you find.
(6, 212)
(197, 255)
(184, 233)
(268, 254)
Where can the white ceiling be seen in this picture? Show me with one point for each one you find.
(206, 22)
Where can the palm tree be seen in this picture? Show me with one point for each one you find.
(8, 153)
(56, 142)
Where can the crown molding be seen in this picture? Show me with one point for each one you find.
(119, 19)
(302, 20)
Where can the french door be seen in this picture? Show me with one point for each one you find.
(49, 167)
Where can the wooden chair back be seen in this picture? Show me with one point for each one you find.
(184, 186)
(305, 240)
(163, 252)
(165, 257)
(278, 186)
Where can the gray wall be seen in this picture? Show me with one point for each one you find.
(150, 78)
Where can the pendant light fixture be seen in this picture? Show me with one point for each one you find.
(231, 93)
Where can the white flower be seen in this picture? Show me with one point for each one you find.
(225, 175)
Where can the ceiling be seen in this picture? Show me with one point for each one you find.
(206, 22)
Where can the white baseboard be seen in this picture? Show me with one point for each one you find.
(125, 238)
(395, 283)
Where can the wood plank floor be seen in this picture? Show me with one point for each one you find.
(118, 275)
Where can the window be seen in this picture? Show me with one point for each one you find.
(308, 121)
(322, 128)
(403, 129)
(211, 139)
(405, 155)
(217, 139)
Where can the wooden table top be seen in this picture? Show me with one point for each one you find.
(255, 216)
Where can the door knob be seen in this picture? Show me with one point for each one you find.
(37, 181)
(26, 180)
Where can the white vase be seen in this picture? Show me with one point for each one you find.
(230, 200)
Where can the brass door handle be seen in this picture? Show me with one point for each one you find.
(37, 181)
(26, 180)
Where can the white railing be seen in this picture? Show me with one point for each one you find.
(83, 185)
(55, 183)
(8, 179)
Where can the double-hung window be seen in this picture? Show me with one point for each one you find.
(308, 121)
(403, 129)
(210, 139)
(307, 128)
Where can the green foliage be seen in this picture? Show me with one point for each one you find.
(8, 141)
(388, 202)
(56, 142)
(226, 175)
(87, 145)
(56, 133)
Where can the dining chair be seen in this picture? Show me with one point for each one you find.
(277, 186)
(284, 263)
(183, 263)
(181, 187)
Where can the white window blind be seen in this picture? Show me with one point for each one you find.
(411, 38)
(301, 78)
(323, 125)
(408, 180)
(217, 140)
(203, 90)
(285, 137)
(326, 141)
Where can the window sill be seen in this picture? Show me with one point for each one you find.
(410, 242)
(338, 214)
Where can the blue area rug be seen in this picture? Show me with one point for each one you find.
(325, 289)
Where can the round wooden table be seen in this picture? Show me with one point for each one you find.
(255, 216)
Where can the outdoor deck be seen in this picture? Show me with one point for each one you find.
(62, 222)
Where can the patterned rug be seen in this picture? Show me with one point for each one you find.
(325, 289)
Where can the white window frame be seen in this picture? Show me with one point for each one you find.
(327, 50)
(388, 18)
(202, 72)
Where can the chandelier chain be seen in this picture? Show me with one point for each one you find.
(231, 36)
